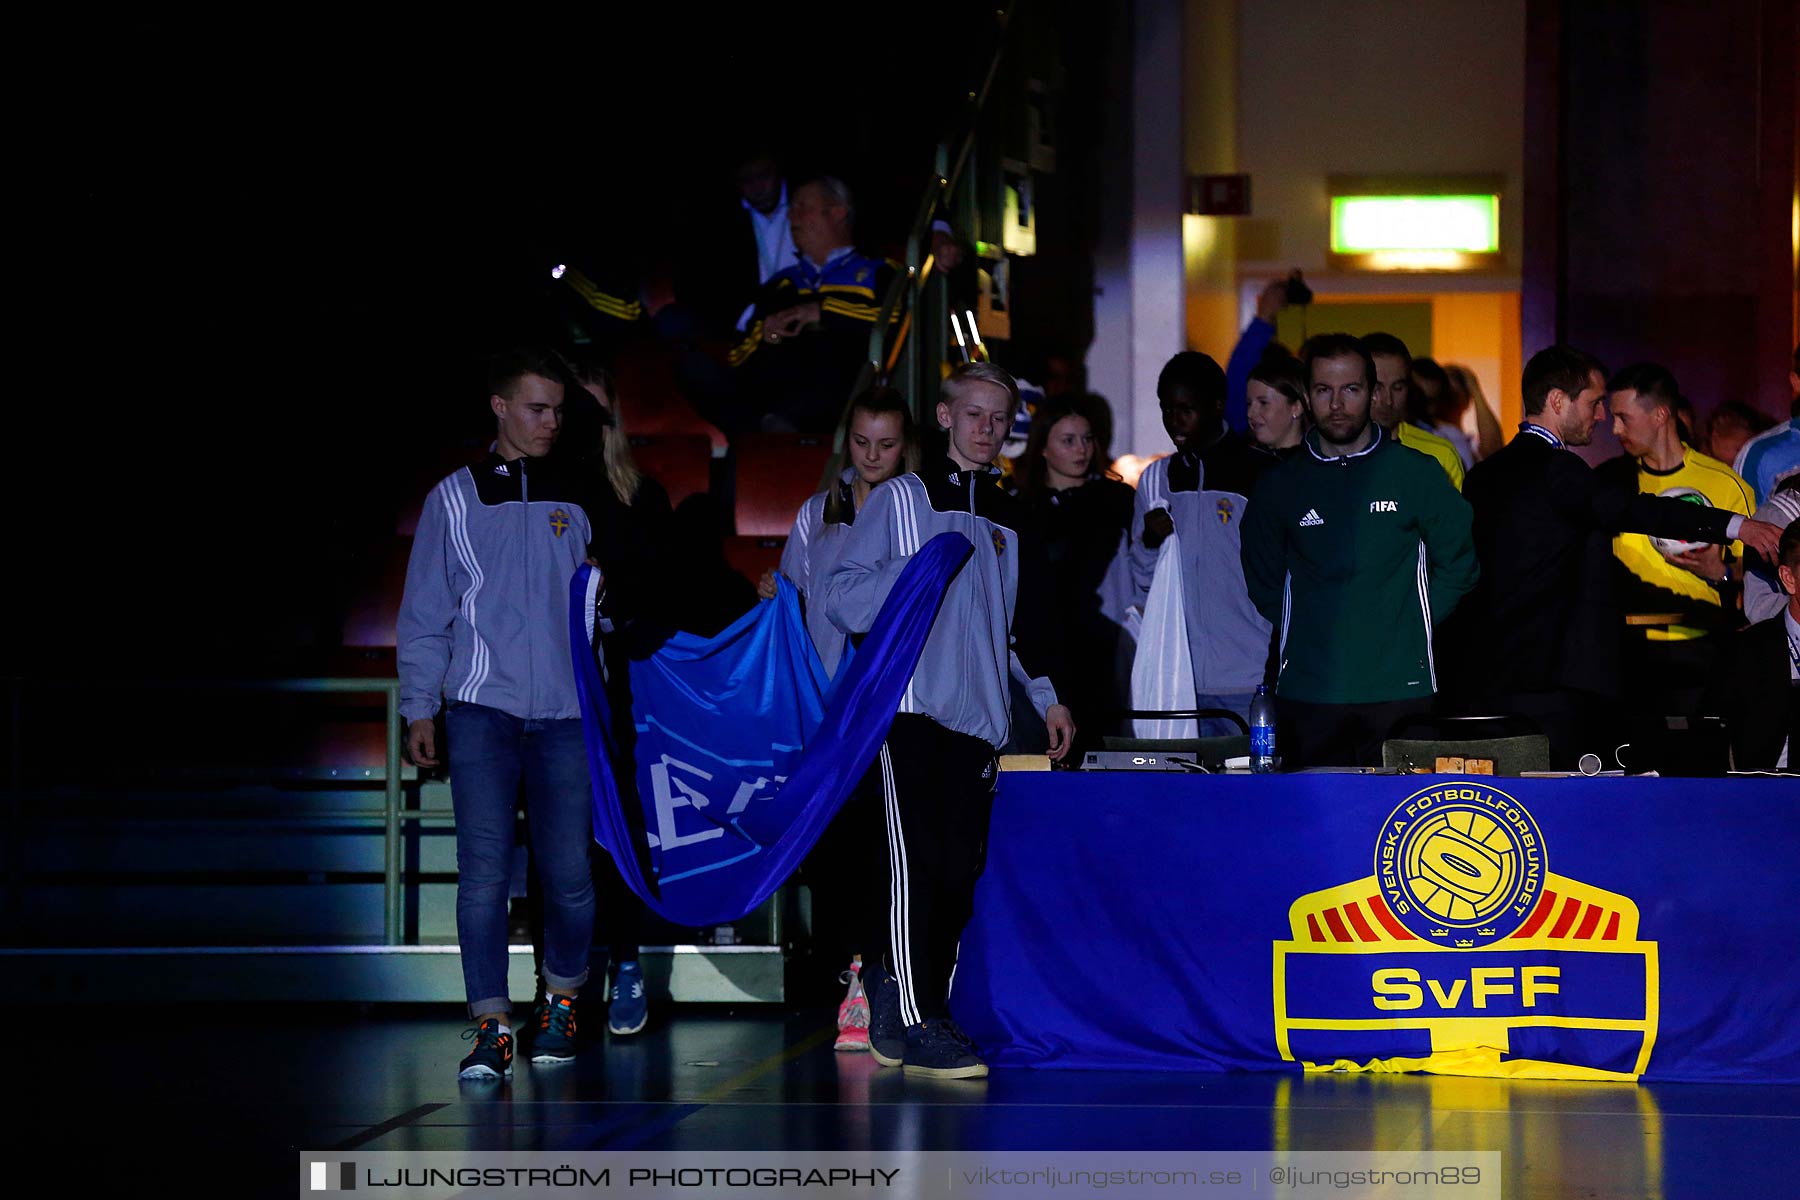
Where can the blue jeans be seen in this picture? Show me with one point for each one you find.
(490, 751)
(1237, 702)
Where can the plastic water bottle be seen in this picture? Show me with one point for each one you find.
(1262, 731)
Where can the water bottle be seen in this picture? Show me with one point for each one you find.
(1262, 731)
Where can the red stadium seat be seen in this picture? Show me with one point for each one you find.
(681, 462)
(372, 615)
(751, 556)
(776, 472)
(653, 404)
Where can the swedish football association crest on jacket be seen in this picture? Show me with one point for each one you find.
(1225, 509)
(559, 521)
(999, 542)
(1462, 953)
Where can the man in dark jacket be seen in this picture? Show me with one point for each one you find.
(1758, 691)
(1539, 636)
(1355, 548)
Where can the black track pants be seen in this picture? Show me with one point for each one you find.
(937, 794)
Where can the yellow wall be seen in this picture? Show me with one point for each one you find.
(1481, 331)
(1209, 137)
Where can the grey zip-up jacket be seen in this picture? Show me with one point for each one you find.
(812, 550)
(993, 622)
(1206, 492)
(485, 615)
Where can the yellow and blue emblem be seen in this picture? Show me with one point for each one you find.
(999, 543)
(1463, 954)
(1225, 510)
(559, 521)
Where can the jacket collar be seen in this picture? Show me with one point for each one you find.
(1311, 442)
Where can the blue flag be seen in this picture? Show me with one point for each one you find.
(744, 752)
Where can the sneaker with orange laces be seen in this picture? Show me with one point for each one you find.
(853, 1012)
(492, 1057)
(553, 1030)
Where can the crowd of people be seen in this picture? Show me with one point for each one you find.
(1344, 525)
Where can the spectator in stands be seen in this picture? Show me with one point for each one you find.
(1763, 593)
(1256, 339)
(1539, 635)
(480, 632)
(880, 443)
(1674, 603)
(1355, 548)
(810, 337)
(1774, 454)
(1757, 690)
(1392, 407)
(1730, 426)
(1467, 408)
(939, 765)
(1083, 516)
(1277, 403)
(729, 259)
(1200, 492)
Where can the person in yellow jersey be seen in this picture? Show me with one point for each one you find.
(1677, 597)
(1392, 405)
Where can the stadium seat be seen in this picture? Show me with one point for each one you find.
(372, 615)
(776, 472)
(751, 556)
(681, 462)
(653, 404)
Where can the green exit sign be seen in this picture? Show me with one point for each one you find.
(1373, 224)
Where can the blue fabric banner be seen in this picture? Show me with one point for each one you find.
(1608, 929)
(743, 753)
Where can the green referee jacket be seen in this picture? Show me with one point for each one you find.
(1354, 560)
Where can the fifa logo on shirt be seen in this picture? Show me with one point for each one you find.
(1383, 506)
(1462, 951)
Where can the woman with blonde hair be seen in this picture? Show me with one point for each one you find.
(881, 442)
(631, 523)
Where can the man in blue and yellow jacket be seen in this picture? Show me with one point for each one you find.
(800, 357)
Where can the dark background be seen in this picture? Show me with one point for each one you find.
(265, 258)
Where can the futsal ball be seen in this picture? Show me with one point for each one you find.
(1690, 496)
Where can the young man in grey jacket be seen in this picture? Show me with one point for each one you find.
(484, 630)
(939, 764)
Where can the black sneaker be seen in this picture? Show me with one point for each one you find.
(937, 1047)
(493, 1053)
(887, 1033)
(553, 1026)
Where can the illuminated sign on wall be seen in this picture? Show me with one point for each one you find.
(1371, 224)
(1416, 222)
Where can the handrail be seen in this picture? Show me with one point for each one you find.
(943, 183)
(393, 921)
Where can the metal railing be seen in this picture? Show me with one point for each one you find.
(918, 339)
(394, 816)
